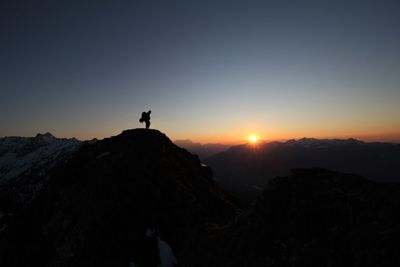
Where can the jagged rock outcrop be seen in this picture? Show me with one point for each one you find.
(100, 206)
(313, 218)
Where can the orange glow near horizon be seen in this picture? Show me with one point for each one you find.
(236, 137)
(233, 135)
(253, 138)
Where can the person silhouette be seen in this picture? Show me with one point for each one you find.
(146, 118)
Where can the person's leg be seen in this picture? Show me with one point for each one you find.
(147, 124)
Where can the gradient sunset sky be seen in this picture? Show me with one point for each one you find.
(210, 71)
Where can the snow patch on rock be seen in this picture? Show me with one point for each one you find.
(167, 256)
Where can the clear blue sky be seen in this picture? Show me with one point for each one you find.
(209, 70)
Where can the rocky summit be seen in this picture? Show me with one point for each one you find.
(135, 199)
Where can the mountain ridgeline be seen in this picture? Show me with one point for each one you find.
(139, 200)
(204, 151)
(246, 169)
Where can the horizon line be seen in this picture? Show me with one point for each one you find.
(384, 137)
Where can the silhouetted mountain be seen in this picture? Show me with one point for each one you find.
(313, 218)
(246, 169)
(25, 162)
(202, 150)
(135, 199)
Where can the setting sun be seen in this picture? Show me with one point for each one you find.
(253, 138)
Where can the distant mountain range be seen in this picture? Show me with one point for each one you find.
(202, 150)
(20, 154)
(26, 161)
(246, 169)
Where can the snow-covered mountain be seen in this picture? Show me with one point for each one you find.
(21, 154)
(25, 162)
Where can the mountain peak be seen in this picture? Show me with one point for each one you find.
(48, 137)
(47, 134)
(145, 143)
(141, 133)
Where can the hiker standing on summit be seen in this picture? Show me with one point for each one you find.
(145, 118)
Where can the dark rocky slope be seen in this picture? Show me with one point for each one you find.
(95, 210)
(313, 218)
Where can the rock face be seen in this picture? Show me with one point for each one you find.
(112, 202)
(313, 218)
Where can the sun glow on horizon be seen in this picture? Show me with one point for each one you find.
(253, 138)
